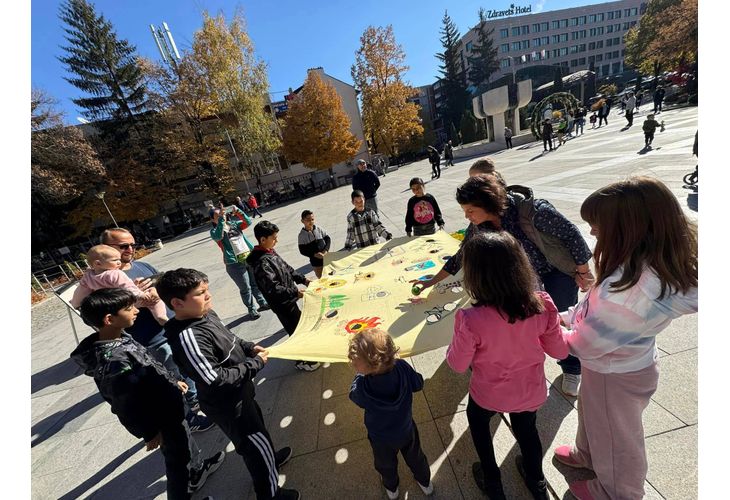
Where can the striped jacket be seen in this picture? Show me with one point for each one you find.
(221, 364)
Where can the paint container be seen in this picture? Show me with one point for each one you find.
(417, 289)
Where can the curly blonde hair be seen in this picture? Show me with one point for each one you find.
(376, 348)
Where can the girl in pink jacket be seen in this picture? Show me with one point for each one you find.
(504, 338)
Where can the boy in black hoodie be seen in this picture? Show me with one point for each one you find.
(223, 367)
(384, 387)
(278, 282)
(144, 395)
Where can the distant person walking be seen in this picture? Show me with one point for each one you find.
(630, 106)
(435, 159)
(603, 113)
(449, 154)
(580, 120)
(508, 137)
(547, 135)
(254, 204)
(366, 181)
(658, 99)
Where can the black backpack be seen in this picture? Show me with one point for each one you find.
(551, 247)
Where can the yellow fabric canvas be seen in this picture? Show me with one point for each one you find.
(371, 287)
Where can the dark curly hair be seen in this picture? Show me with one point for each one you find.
(484, 191)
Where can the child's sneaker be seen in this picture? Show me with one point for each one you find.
(287, 494)
(427, 490)
(199, 422)
(282, 456)
(538, 489)
(392, 495)
(307, 366)
(198, 476)
(493, 488)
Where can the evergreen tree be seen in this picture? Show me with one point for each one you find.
(484, 63)
(558, 81)
(468, 127)
(104, 66)
(452, 76)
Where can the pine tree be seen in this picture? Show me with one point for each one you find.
(316, 129)
(104, 66)
(484, 63)
(452, 75)
(558, 81)
(468, 127)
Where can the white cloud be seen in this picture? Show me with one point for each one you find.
(539, 5)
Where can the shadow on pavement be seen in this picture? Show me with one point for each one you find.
(103, 473)
(50, 425)
(693, 201)
(54, 375)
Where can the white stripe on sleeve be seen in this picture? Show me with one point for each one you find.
(199, 362)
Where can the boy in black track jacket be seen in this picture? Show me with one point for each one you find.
(278, 282)
(314, 242)
(223, 367)
(143, 394)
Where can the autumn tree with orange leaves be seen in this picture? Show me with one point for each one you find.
(316, 129)
(391, 121)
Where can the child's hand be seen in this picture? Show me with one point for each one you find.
(300, 294)
(143, 283)
(263, 354)
(154, 443)
(441, 227)
(183, 386)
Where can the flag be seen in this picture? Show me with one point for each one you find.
(371, 287)
(524, 58)
(542, 54)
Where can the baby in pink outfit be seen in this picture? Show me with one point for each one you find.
(105, 272)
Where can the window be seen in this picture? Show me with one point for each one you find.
(600, 30)
(634, 11)
(516, 46)
(592, 18)
(564, 37)
(573, 63)
(632, 24)
(555, 25)
(504, 63)
(564, 51)
(574, 49)
(544, 40)
(544, 26)
(626, 26)
(469, 46)
(503, 33)
(582, 47)
(525, 44)
(609, 28)
(516, 31)
(563, 23)
(616, 68)
(525, 30)
(609, 16)
(582, 61)
(574, 35)
(617, 27)
(617, 13)
(556, 52)
(581, 20)
(607, 56)
(623, 52)
(593, 32)
(599, 17)
(504, 47)
(604, 69)
(556, 38)
(615, 54)
(617, 40)
(599, 57)
(592, 46)
(627, 12)
(535, 42)
(574, 21)
(536, 28)
(591, 59)
(599, 44)
(609, 42)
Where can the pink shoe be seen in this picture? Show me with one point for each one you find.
(579, 489)
(562, 455)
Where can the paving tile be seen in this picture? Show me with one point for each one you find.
(446, 391)
(44, 486)
(680, 335)
(677, 390)
(673, 463)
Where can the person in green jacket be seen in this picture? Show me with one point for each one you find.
(236, 247)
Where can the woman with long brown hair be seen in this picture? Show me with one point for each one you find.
(646, 276)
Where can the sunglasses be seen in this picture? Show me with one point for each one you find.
(125, 246)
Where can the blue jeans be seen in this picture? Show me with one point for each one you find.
(242, 276)
(564, 292)
(162, 352)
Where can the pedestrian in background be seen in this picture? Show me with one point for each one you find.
(367, 181)
(508, 137)
(435, 159)
(254, 204)
(449, 154)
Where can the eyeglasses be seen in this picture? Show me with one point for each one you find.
(125, 246)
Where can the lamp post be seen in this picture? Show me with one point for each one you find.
(100, 195)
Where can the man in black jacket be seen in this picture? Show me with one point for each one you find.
(366, 181)
(223, 366)
(143, 394)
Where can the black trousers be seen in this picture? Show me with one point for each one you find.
(564, 292)
(630, 117)
(175, 450)
(508, 140)
(602, 119)
(436, 169)
(252, 441)
(648, 137)
(386, 460)
(288, 313)
(525, 430)
(547, 141)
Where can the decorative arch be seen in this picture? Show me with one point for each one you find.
(567, 102)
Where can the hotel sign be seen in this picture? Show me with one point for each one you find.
(513, 9)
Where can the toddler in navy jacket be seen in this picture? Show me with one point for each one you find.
(384, 387)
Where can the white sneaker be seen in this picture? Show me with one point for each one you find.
(570, 384)
(427, 490)
(393, 495)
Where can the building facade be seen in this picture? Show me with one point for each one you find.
(571, 38)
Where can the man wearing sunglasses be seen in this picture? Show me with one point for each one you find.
(146, 330)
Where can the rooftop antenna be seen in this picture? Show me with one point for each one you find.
(165, 44)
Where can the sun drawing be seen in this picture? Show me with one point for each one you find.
(360, 324)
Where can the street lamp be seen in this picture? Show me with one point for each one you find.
(100, 195)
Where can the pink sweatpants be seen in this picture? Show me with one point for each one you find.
(610, 438)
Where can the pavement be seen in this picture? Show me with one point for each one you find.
(79, 449)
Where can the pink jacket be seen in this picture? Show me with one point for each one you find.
(506, 359)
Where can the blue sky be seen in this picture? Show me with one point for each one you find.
(290, 36)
